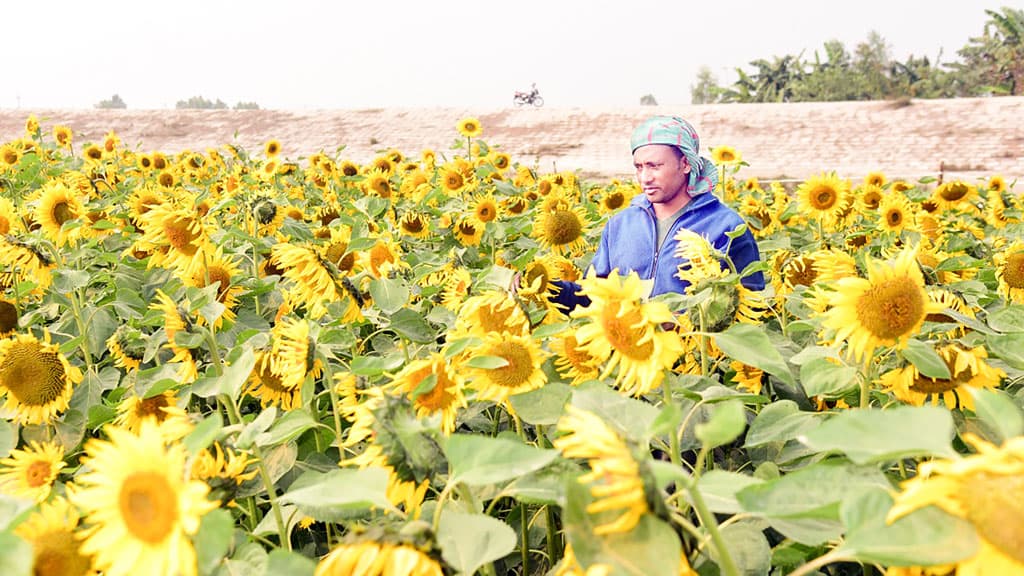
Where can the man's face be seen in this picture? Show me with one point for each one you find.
(662, 172)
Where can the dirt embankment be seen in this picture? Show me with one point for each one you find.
(965, 138)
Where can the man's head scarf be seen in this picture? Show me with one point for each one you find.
(674, 131)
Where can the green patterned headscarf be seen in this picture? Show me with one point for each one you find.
(675, 131)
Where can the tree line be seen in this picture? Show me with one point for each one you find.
(194, 103)
(991, 64)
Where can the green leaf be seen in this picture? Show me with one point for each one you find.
(543, 406)
(728, 419)
(259, 425)
(780, 421)
(749, 344)
(460, 345)
(997, 411)
(1009, 347)
(213, 539)
(388, 294)
(204, 433)
(236, 373)
(8, 438)
(650, 549)
(11, 509)
(282, 562)
(748, 547)
(486, 362)
(481, 460)
(16, 555)
(926, 537)
(468, 541)
(628, 415)
(65, 281)
(287, 428)
(411, 325)
(927, 361)
(814, 491)
(719, 488)
(323, 496)
(1009, 319)
(867, 436)
(822, 377)
(376, 365)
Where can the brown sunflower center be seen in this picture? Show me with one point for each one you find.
(891, 309)
(562, 227)
(994, 503)
(624, 331)
(801, 272)
(576, 355)
(486, 212)
(1013, 270)
(216, 274)
(953, 191)
(148, 506)
(871, 199)
(453, 180)
(180, 235)
(519, 367)
(10, 157)
(894, 217)
(614, 200)
(5, 225)
(34, 377)
(38, 473)
(494, 319)
(8, 317)
(57, 555)
(467, 228)
(823, 197)
(438, 398)
(413, 225)
(152, 406)
(62, 212)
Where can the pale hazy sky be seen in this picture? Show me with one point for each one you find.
(309, 54)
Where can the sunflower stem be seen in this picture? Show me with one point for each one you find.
(818, 562)
(329, 381)
(673, 440)
(707, 519)
(211, 342)
(524, 546)
(76, 311)
(554, 542)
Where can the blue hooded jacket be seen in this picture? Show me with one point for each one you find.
(628, 244)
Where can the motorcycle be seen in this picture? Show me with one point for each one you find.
(526, 98)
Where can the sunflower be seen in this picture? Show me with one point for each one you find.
(58, 205)
(9, 157)
(614, 474)
(725, 155)
(470, 127)
(383, 164)
(161, 408)
(625, 329)
(522, 370)
(53, 533)
(267, 386)
(573, 361)
(996, 183)
(139, 507)
(469, 231)
(954, 195)
(218, 466)
(414, 224)
(824, 197)
(24, 261)
(747, 377)
(615, 199)
(272, 148)
(30, 472)
(268, 216)
(982, 488)
(455, 289)
(293, 352)
(177, 237)
(949, 300)
(995, 211)
(896, 213)
(536, 281)
(310, 281)
(63, 136)
(383, 257)
(370, 558)
(562, 230)
(10, 221)
(500, 160)
(36, 378)
(884, 309)
(376, 182)
(491, 312)
(1010, 271)
(868, 198)
(8, 317)
(967, 368)
(433, 386)
(485, 208)
(223, 271)
(876, 179)
(452, 180)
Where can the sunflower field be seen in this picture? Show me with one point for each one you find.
(228, 362)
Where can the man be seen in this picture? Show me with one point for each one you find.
(677, 188)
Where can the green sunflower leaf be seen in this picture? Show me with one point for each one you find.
(468, 541)
(998, 413)
(927, 361)
(749, 344)
(481, 460)
(871, 436)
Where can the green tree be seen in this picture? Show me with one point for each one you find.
(200, 103)
(993, 63)
(246, 106)
(706, 90)
(648, 100)
(115, 102)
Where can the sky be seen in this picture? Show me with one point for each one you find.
(319, 54)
